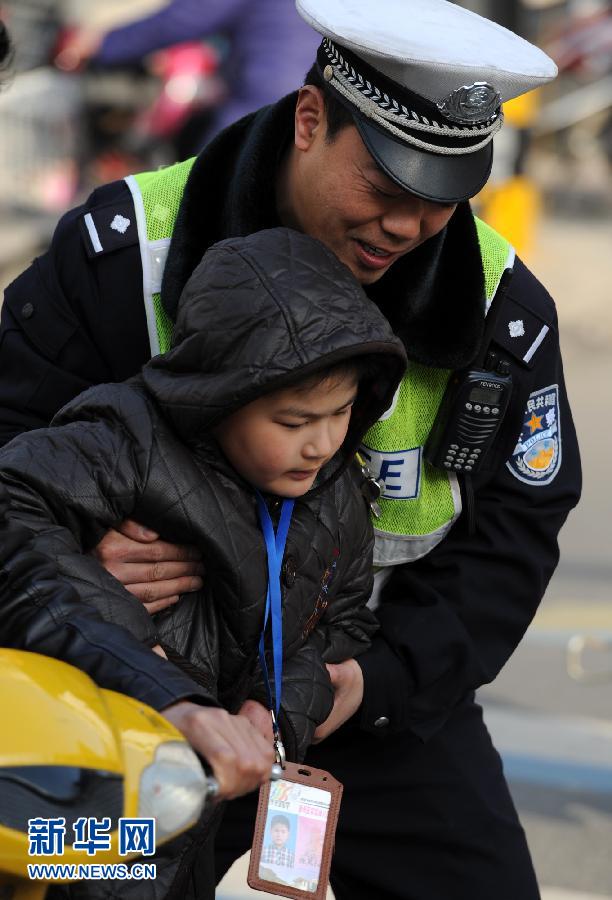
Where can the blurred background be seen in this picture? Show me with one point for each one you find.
(85, 107)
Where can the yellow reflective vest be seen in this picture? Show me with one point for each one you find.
(419, 503)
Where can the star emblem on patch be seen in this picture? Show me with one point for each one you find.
(120, 224)
(517, 328)
(536, 458)
(534, 423)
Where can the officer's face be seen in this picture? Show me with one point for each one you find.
(335, 192)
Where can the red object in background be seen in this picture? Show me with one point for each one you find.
(64, 55)
(145, 115)
(188, 80)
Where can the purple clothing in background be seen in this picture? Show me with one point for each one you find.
(272, 48)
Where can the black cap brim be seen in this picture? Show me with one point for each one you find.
(441, 178)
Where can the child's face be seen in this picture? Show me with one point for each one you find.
(280, 834)
(279, 442)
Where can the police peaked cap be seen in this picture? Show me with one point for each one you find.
(425, 81)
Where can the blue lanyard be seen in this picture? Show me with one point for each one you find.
(275, 547)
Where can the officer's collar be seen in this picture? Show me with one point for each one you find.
(433, 296)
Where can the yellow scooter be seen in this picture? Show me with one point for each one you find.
(71, 752)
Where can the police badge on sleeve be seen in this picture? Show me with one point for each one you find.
(537, 456)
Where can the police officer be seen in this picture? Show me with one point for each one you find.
(377, 155)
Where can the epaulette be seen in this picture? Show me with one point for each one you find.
(108, 228)
(522, 330)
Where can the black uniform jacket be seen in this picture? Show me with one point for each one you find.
(449, 621)
(257, 312)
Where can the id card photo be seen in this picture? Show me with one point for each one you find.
(294, 835)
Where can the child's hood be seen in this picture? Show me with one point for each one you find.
(259, 311)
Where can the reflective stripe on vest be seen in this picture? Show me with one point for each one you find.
(157, 197)
(419, 503)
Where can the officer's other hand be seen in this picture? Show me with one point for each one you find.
(347, 682)
(156, 572)
(240, 757)
(259, 717)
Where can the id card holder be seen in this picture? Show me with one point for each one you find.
(294, 833)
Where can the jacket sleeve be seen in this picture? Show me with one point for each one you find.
(65, 486)
(307, 698)
(70, 320)
(344, 629)
(42, 613)
(347, 625)
(451, 620)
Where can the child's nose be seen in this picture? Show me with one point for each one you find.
(319, 445)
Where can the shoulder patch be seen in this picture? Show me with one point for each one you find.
(536, 459)
(109, 228)
(520, 331)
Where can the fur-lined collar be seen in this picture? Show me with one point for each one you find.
(433, 297)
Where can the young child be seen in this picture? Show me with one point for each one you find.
(279, 365)
(276, 850)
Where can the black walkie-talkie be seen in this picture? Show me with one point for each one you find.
(473, 405)
(469, 418)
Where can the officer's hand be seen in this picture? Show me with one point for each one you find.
(241, 758)
(347, 682)
(154, 571)
(259, 717)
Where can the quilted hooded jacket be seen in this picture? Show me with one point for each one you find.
(256, 312)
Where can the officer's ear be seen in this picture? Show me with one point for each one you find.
(310, 119)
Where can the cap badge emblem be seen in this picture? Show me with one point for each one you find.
(471, 103)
